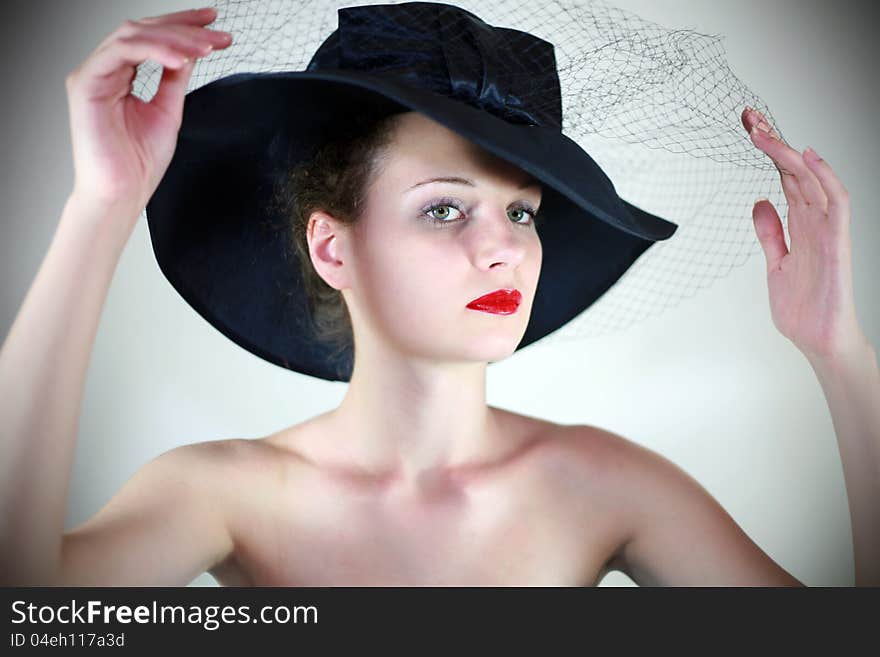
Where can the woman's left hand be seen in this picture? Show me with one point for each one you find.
(810, 285)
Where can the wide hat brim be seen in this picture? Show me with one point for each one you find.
(220, 241)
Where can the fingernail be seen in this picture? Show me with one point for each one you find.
(763, 125)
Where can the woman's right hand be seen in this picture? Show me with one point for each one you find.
(122, 146)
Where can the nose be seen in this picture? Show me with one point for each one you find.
(499, 242)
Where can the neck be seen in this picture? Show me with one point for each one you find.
(412, 421)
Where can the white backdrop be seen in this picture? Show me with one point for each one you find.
(711, 385)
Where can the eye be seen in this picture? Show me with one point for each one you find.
(522, 207)
(443, 217)
(444, 205)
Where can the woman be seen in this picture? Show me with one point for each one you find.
(458, 492)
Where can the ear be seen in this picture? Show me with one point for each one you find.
(326, 237)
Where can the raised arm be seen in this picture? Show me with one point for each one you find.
(122, 147)
(43, 363)
(677, 533)
(851, 383)
(812, 304)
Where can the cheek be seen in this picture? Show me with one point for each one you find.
(405, 278)
(412, 304)
(426, 275)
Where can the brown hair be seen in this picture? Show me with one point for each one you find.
(335, 180)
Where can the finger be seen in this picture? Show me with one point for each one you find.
(770, 234)
(838, 195)
(201, 16)
(790, 186)
(746, 118)
(163, 46)
(133, 51)
(186, 37)
(811, 192)
(109, 69)
(751, 118)
(791, 164)
(172, 89)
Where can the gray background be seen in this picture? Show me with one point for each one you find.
(712, 385)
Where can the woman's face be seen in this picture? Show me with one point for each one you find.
(408, 271)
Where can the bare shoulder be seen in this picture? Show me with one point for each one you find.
(589, 454)
(581, 469)
(222, 470)
(237, 462)
(209, 462)
(164, 526)
(675, 533)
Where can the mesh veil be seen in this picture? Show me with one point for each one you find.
(656, 107)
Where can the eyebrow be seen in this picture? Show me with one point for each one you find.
(461, 181)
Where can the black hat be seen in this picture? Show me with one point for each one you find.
(214, 226)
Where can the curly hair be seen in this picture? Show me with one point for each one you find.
(335, 180)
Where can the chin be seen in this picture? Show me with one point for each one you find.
(483, 341)
(491, 348)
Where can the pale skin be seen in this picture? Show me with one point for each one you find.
(413, 479)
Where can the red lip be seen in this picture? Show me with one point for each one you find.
(500, 302)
